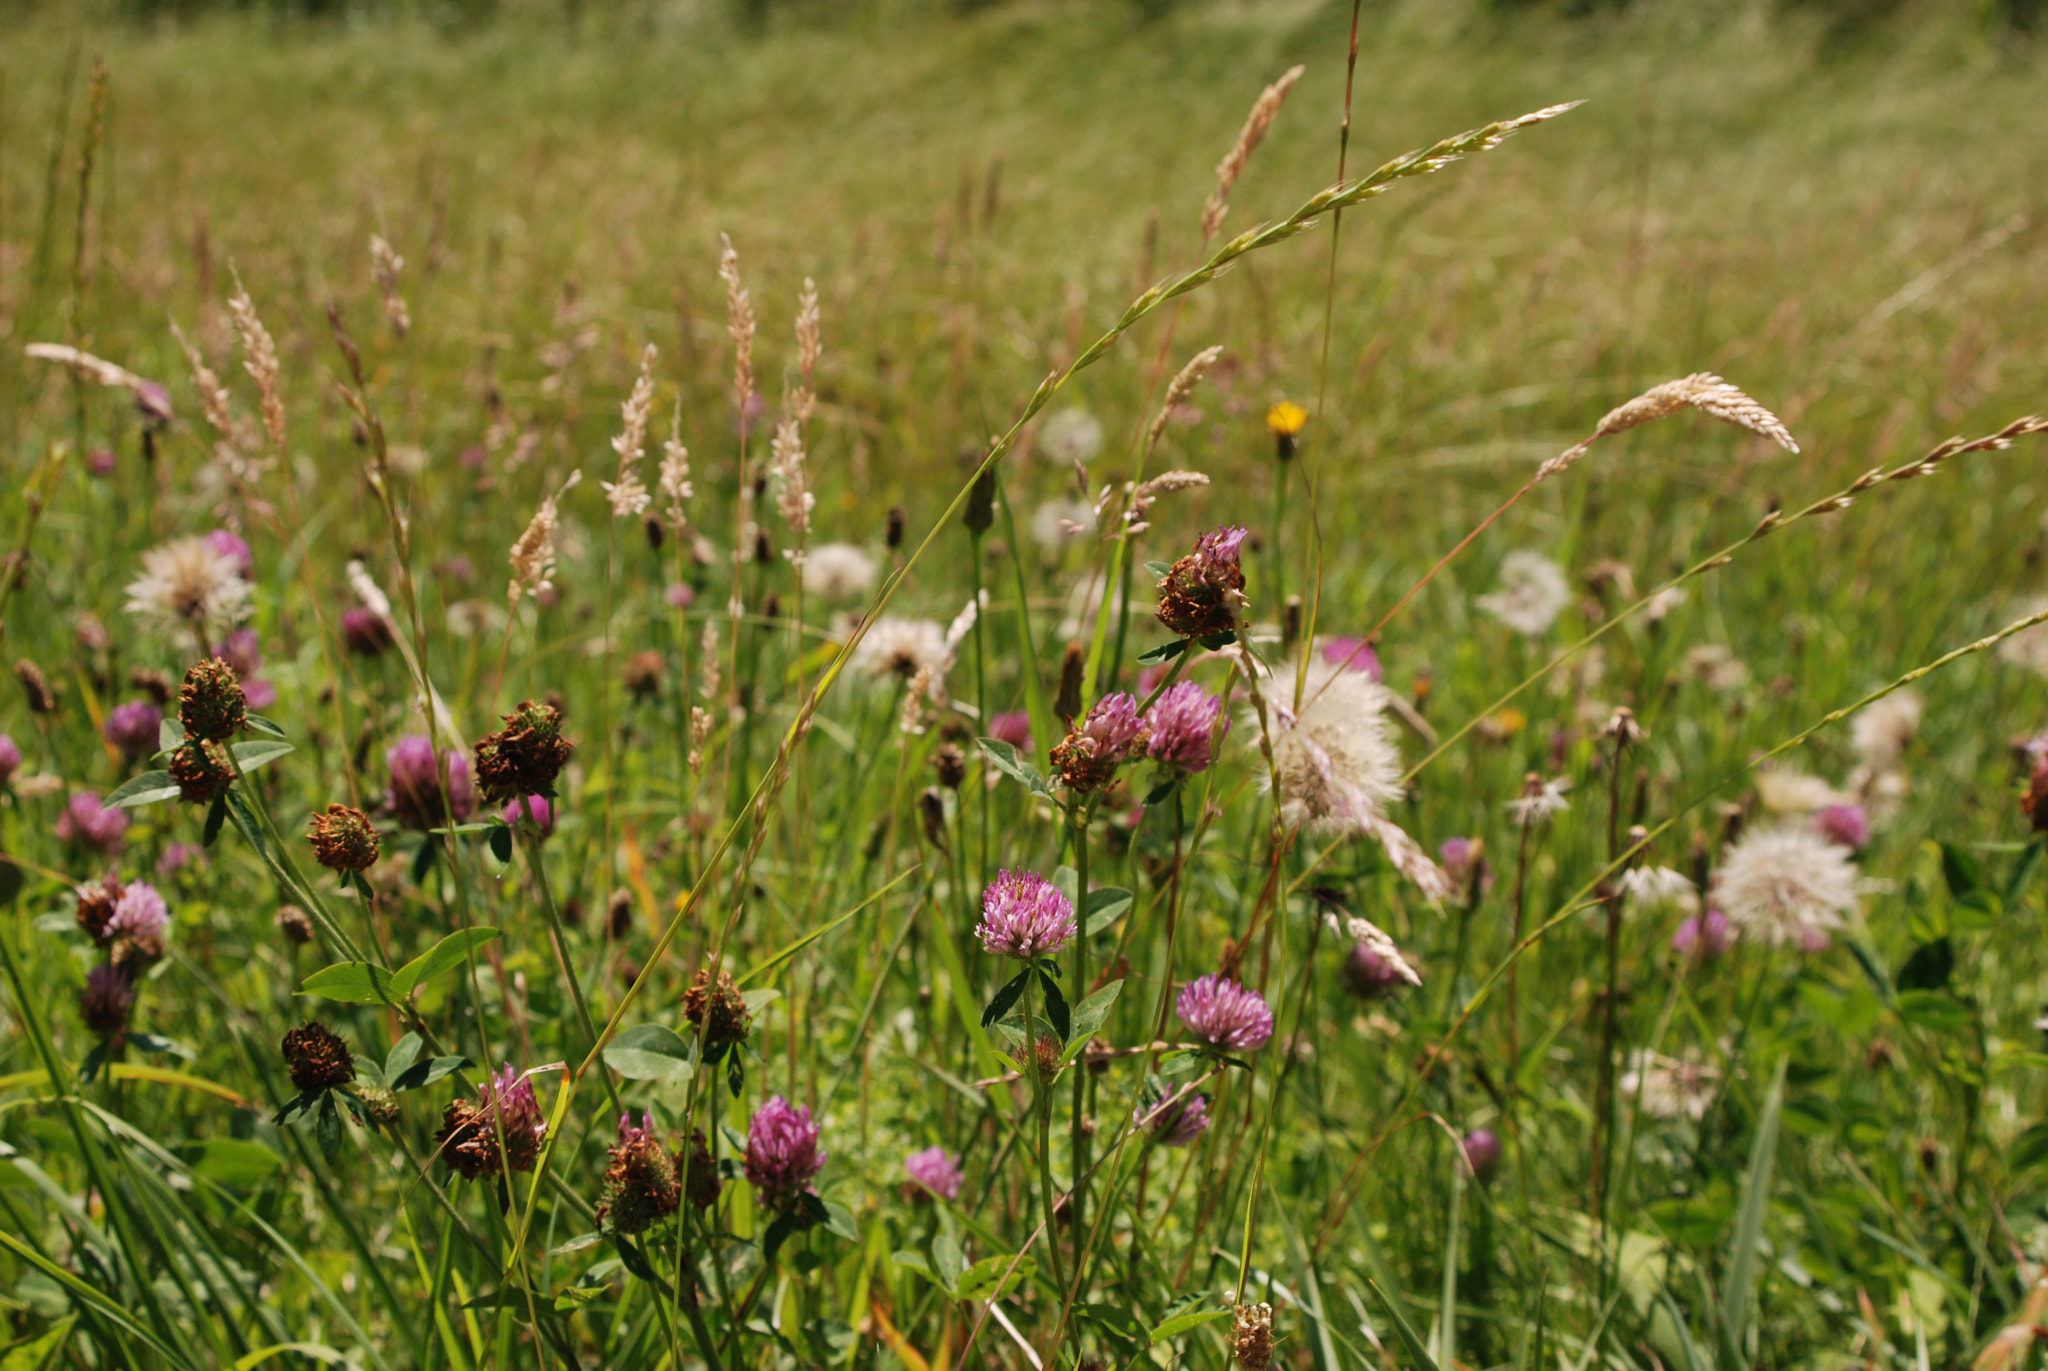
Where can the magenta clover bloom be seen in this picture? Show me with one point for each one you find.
(937, 1170)
(679, 595)
(1181, 1123)
(84, 822)
(1371, 975)
(1181, 726)
(1023, 915)
(1013, 728)
(1088, 757)
(1482, 1153)
(1707, 932)
(782, 1151)
(10, 758)
(415, 797)
(178, 856)
(139, 914)
(535, 807)
(1845, 825)
(153, 403)
(1224, 1014)
(512, 1094)
(1464, 859)
(231, 546)
(133, 728)
(243, 651)
(1353, 654)
(364, 631)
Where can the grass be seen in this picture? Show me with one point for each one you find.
(1849, 233)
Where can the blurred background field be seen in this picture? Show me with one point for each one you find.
(1841, 208)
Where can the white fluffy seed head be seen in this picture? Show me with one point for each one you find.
(838, 571)
(1786, 885)
(1533, 592)
(1882, 730)
(1337, 764)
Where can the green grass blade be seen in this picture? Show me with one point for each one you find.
(1738, 1282)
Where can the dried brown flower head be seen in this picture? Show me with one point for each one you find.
(719, 1010)
(1201, 594)
(202, 771)
(640, 1185)
(525, 756)
(951, 765)
(642, 674)
(317, 1059)
(211, 705)
(154, 684)
(108, 1000)
(703, 1183)
(294, 924)
(96, 907)
(344, 839)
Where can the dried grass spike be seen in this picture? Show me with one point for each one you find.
(1264, 111)
(261, 358)
(1183, 385)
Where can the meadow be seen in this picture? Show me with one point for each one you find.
(555, 563)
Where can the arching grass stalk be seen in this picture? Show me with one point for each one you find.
(1585, 896)
(2023, 427)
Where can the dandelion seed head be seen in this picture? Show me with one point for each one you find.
(1785, 885)
(1533, 592)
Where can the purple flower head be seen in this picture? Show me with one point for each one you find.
(243, 651)
(414, 797)
(140, 914)
(1182, 724)
(1371, 975)
(629, 1136)
(937, 1170)
(153, 403)
(108, 999)
(1224, 1014)
(1846, 825)
(365, 632)
(1708, 932)
(535, 807)
(10, 758)
(1178, 1124)
(178, 856)
(133, 728)
(1464, 860)
(512, 1095)
(1088, 757)
(1482, 1153)
(1217, 553)
(1201, 594)
(679, 595)
(1023, 915)
(782, 1150)
(85, 823)
(1813, 940)
(1353, 654)
(231, 546)
(258, 695)
(1114, 727)
(100, 462)
(1013, 728)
